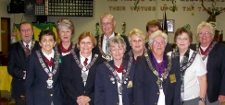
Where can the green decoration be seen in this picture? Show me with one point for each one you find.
(97, 28)
(135, 5)
(187, 26)
(123, 28)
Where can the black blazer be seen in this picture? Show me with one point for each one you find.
(106, 93)
(146, 90)
(72, 81)
(96, 49)
(17, 63)
(215, 72)
(37, 92)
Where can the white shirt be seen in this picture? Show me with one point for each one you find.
(28, 44)
(82, 59)
(104, 42)
(191, 83)
(49, 57)
(63, 54)
(118, 84)
(161, 100)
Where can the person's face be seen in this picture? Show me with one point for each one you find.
(65, 34)
(158, 45)
(152, 30)
(47, 43)
(86, 45)
(117, 51)
(26, 32)
(183, 41)
(205, 35)
(137, 44)
(107, 25)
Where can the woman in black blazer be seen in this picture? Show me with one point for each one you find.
(42, 82)
(78, 72)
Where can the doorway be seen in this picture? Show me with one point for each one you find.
(5, 35)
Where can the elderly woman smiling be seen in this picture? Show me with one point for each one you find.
(114, 79)
(157, 75)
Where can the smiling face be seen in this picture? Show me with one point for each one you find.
(47, 43)
(205, 36)
(107, 25)
(26, 32)
(117, 51)
(86, 45)
(158, 45)
(137, 44)
(183, 41)
(65, 34)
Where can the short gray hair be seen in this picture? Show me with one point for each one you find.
(206, 24)
(117, 40)
(158, 33)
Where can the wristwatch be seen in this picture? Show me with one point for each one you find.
(201, 99)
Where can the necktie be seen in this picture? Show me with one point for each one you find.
(49, 62)
(27, 49)
(106, 46)
(85, 61)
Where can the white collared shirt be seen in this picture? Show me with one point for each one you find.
(28, 44)
(82, 59)
(118, 84)
(49, 57)
(104, 42)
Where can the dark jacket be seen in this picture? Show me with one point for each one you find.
(106, 92)
(72, 81)
(215, 72)
(146, 89)
(17, 63)
(37, 92)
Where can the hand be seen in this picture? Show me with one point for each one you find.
(221, 99)
(201, 103)
(24, 76)
(83, 100)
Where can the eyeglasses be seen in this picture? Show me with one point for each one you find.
(156, 43)
(27, 30)
(205, 33)
(106, 24)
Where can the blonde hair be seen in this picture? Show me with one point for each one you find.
(158, 33)
(136, 32)
(206, 24)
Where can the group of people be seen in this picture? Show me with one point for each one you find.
(114, 69)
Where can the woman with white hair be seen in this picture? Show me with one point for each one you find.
(114, 79)
(157, 78)
(213, 55)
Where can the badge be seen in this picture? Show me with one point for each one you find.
(172, 78)
(49, 83)
(130, 84)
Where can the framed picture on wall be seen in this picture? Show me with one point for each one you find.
(170, 24)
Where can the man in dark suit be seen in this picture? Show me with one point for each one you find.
(108, 25)
(17, 63)
(213, 55)
(151, 27)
